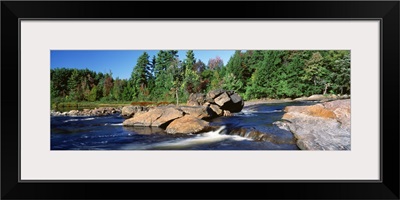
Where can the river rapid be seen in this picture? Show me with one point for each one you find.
(231, 133)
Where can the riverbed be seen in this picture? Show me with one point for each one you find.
(107, 133)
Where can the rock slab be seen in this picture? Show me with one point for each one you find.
(200, 112)
(158, 116)
(129, 111)
(186, 125)
(325, 126)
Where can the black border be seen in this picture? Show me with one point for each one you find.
(387, 12)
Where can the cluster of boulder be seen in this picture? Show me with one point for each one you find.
(323, 126)
(185, 119)
(103, 111)
(220, 101)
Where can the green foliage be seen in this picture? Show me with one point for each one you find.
(140, 76)
(253, 74)
(93, 94)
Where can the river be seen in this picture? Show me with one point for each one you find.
(232, 133)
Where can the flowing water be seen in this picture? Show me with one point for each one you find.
(239, 132)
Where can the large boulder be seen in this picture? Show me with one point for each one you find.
(317, 110)
(159, 117)
(342, 110)
(186, 125)
(323, 126)
(215, 93)
(226, 100)
(222, 99)
(201, 112)
(196, 99)
(216, 109)
(129, 111)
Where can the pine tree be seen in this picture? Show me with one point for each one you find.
(140, 75)
(233, 79)
(189, 61)
(164, 81)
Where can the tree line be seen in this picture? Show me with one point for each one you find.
(252, 73)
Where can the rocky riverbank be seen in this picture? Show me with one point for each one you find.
(324, 126)
(314, 98)
(186, 119)
(103, 111)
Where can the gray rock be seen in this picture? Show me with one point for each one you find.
(320, 127)
(315, 133)
(196, 99)
(222, 99)
(214, 93)
(300, 99)
(87, 112)
(216, 109)
(129, 111)
(316, 97)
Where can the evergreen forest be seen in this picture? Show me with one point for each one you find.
(254, 74)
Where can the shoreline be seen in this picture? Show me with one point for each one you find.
(314, 98)
(87, 110)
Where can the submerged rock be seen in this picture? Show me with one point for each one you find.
(186, 125)
(262, 136)
(323, 126)
(144, 130)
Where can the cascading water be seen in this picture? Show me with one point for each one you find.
(251, 129)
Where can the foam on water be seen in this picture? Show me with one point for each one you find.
(107, 124)
(71, 120)
(83, 119)
(199, 139)
(254, 112)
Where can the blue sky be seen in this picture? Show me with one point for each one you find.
(120, 62)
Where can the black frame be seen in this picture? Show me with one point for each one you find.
(387, 12)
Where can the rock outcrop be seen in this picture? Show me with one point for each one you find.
(196, 99)
(200, 112)
(322, 98)
(186, 119)
(186, 125)
(324, 126)
(257, 135)
(220, 101)
(129, 111)
(158, 116)
(102, 111)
